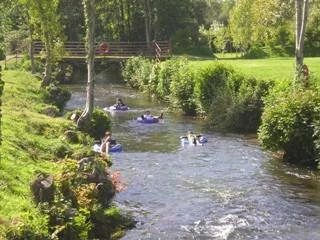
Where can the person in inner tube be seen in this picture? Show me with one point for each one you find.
(148, 115)
(193, 138)
(119, 103)
(106, 143)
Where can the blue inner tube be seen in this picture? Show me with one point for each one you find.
(147, 120)
(112, 148)
(201, 141)
(118, 108)
(115, 148)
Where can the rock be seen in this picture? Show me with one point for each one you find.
(43, 188)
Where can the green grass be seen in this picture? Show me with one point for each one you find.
(270, 68)
(29, 141)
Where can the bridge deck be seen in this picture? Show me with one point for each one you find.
(117, 51)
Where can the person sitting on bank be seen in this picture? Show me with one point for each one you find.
(106, 143)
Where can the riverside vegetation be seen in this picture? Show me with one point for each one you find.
(284, 113)
(37, 144)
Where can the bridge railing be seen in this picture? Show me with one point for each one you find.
(161, 49)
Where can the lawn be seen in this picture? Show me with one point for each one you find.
(270, 68)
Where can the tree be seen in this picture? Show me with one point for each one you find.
(44, 20)
(89, 11)
(241, 24)
(147, 22)
(301, 22)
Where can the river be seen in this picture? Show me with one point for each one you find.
(228, 189)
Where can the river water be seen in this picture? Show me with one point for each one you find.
(228, 189)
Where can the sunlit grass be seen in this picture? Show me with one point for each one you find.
(270, 68)
(28, 140)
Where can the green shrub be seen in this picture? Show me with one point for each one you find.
(255, 52)
(34, 226)
(287, 125)
(182, 89)
(2, 54)
(167, 70)
(136, 72)
(56, 95)
(232, 101)
(61, 150)
(244, 115)
(100, 123)
(211, 81)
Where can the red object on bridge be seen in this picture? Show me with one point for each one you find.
(104, 48)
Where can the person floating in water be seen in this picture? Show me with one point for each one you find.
(148, 115)
(119, 103)
(192, 138)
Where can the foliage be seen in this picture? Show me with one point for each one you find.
(1, 91)
(167, 70)
(44, 22)
(182, 88)
(244, 114)
(136, 72)
(287, 125)
(171, 80)
(56, 95)
(32, 226)
(2, 54)
(210, 82)
(30, 142)
(99, 123)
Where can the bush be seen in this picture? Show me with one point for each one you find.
(2, 54)
(136, 72)
(210, 82)
(167, 70)
(231, 100)
(287, 125)
(56, 95)
(182, 89)
(244, 115)
(100, 122)
(255, 52)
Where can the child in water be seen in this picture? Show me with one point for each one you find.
(119, 103)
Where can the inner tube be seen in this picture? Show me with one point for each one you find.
(147, 120)
(115, 148)
(112, 148)
(118, 108)
(201, 141)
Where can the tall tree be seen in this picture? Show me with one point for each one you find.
(89, 11)
(301, 22)
(147, 22)
(45, 19)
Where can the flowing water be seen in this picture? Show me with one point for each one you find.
(228, 189)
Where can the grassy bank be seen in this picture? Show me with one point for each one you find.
(270, 68)
(29, 140)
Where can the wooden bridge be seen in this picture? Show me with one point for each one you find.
(116, 51)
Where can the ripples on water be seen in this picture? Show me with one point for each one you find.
(227, 189)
